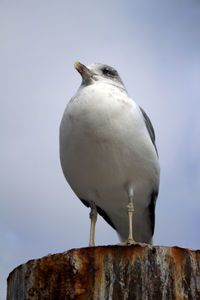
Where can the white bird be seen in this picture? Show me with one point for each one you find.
(108, 154)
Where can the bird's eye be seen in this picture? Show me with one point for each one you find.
(108, 72)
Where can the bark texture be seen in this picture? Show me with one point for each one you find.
(109, 272)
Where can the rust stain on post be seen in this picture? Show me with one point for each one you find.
(109, 272)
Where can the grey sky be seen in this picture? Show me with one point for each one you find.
(155, 47)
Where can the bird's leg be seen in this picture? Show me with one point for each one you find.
(130, 208)
(93, 217)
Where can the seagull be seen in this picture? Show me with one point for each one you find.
(109, 156)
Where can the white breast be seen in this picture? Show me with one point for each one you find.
(105, 148)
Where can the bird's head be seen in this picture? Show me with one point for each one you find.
(99, 73)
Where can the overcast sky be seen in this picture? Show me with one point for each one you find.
(155, 46)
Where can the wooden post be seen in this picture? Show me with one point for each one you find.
(109, 272)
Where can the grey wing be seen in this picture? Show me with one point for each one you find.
(154, 193)
(149, 128)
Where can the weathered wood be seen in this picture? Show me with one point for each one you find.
(109, 272)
